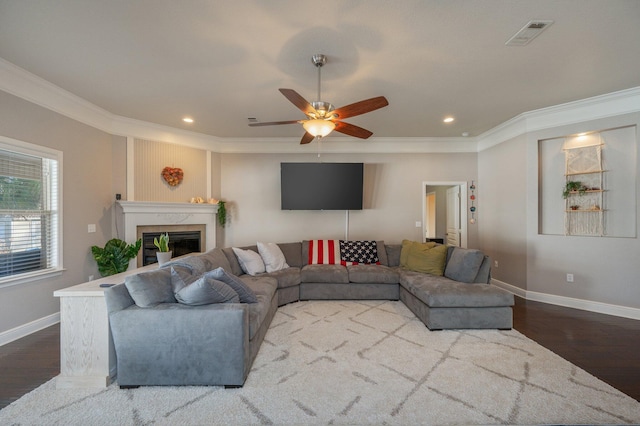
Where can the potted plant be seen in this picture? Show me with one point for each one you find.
(162, 243)
(114, 257)
(572, 187)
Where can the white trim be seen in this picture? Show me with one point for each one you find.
(131, 196)
(209, 175)
(570, 302)
(607, 105)
(28, 328)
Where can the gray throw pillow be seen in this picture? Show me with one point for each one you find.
(246, 294)
(205, 291)
(150, 288)
(463, 265)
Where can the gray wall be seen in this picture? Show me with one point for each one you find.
(392, 201)
(87, 199)
(605, 269)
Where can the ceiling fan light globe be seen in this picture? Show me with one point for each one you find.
(319, 127)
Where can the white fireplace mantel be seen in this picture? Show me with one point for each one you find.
(151, 213)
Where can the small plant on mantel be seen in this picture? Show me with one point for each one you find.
(573, 187)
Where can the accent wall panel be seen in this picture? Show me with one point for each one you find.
(149, 160)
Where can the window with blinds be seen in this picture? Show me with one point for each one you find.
(29, 212)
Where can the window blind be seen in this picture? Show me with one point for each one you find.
(28, 213)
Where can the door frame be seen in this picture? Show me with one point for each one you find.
(463, 206)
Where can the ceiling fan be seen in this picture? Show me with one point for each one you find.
(322, 117)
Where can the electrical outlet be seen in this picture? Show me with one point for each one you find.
(569, 278)
(418, 224)
(91, 228)
(90, 277)
(495, 263)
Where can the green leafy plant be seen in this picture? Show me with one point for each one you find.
(572, 187)
(162, 243)
(222, 213)
(114, 257)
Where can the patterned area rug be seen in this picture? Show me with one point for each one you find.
(364, 362)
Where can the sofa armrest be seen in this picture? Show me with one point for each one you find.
(173, 344)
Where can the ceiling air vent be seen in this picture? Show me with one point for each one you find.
(528, 33)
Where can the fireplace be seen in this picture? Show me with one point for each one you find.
(182, 240)
(139, 217)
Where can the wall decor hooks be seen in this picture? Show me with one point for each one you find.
(472, 197)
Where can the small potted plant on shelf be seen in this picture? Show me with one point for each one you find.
(572, 187)
(162, 243)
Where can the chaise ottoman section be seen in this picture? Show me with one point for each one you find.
(442, 303)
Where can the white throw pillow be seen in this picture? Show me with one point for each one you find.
(272, 256)
(250, 261)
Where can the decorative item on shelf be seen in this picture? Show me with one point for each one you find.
(573, 187)
(197, 200)
(162, 243)
(172, 175)
(114, 257)
(472, 197)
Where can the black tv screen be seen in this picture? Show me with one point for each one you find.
(321, 186)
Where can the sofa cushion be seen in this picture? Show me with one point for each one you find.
(150, 288)
(442, 292)
(484, 272)
(372, 274)
(393, 254)
(463, 264)
(272, 257)
(288, 277)
(382, 253)
(194, 264)
(427, 260)
(356, 252)
(205, 291)
(292, 253)
(236, 269)
(215, 259)
(324, 274)
(264, 288)
(407, 248)
(250, 261)
(245, 293)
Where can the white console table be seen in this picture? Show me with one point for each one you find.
(87, 354)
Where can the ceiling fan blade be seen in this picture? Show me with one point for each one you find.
(306, 138)
(298, 101)
(273, 123)
(361, 107)
(352, 130)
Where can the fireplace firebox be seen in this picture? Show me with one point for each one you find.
(180, 243)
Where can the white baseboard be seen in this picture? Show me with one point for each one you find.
(570, 302)
(26, 329)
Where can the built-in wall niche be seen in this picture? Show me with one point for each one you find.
(587, 183)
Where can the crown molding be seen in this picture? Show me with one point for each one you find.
(597, 107)
(30, 87)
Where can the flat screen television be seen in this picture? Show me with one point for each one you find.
(321, 186)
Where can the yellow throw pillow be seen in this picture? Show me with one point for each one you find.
(407, 246)
(428, 260)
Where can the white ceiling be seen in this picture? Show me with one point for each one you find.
(221, 62)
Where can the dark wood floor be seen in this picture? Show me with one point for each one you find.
(605, 346)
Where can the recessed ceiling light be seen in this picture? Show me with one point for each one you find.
(448, 119)
(188, 120)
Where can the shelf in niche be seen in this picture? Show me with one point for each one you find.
(585, 173)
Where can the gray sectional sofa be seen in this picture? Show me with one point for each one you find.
(159, 341)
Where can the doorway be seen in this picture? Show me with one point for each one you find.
(438, 209)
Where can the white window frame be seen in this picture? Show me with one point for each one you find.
(21, 147)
